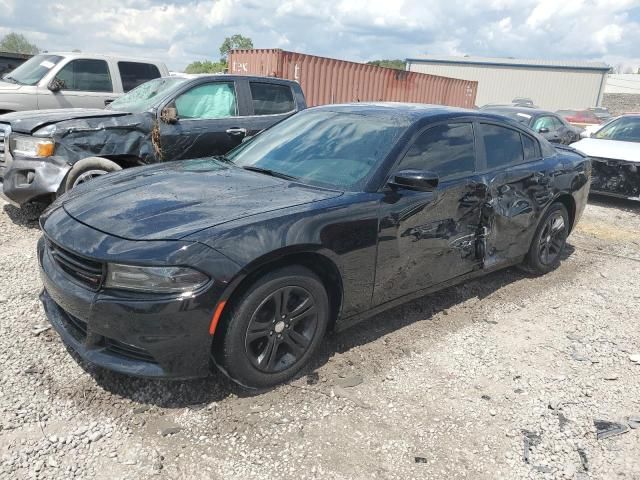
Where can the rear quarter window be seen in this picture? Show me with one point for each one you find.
(133, 74)
(271, 99)
(531, 148)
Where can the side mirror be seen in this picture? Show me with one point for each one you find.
(55, 85)
(420, 180)
(169, 114)
(543, 130)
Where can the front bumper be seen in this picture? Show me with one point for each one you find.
(618, 178)
(136, 334)
(23, 180)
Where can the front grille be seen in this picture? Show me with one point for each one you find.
(129, 351)
(87, 272)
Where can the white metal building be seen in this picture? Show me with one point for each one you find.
(623, 83)
(551, 85)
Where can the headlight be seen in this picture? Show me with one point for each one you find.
(154, 279)
(33, 147)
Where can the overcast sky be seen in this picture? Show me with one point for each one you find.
(181, 31)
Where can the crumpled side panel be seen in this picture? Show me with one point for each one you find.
(129, 135)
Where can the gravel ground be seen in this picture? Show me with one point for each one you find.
(501, 377)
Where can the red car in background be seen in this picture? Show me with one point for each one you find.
(580, 118)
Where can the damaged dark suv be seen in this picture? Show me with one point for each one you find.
(47, 152)
(326, 218)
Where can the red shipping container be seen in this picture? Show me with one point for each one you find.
(327, 80)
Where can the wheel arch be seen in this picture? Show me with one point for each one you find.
(123, 161)
(570, 204)
(314, 258)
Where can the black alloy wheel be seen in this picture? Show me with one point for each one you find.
(272, 330)
(549, 240)
(552, 239)
(281, 329)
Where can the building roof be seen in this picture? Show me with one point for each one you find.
(513, 62)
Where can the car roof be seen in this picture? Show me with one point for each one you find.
(101, 56)
(227, 76)
(413, 112)
(533, 112)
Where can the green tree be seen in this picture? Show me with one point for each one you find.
(206, 66)
(234, 42)
(397, 64)
(17, 43)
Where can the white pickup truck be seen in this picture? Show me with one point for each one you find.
(73, 80)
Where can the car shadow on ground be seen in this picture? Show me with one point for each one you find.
(27, 216)
(630, 206)
(190, 393)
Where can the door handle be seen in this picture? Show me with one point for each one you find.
(237, 131)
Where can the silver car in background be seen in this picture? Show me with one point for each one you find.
(73, 80)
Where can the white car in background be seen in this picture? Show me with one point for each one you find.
(614, 149)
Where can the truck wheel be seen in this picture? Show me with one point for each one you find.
(87, 169)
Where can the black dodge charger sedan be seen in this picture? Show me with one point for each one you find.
(244, 262)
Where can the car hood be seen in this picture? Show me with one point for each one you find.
(31, 120)
(172, 200)
(9, 87)
(613, 149)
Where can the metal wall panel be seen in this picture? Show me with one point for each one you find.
(548, 88)
(327, 80)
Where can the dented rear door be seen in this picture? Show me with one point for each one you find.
(518, 185)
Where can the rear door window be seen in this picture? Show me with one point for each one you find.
(271, 99)
(133, 74)
(502, 146)
(447, 150)
(207, 101)
(86, 75)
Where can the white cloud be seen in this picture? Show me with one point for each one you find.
(180, 31)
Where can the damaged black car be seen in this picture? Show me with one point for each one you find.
(244, 262)
(45, 153)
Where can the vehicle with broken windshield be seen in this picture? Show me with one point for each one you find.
(73, 80)
(614, 150)
(46, 153)
(328, 217)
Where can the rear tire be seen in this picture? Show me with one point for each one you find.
(274, 329)
(87, 169)
(549, 241)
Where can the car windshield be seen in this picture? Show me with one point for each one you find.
(32, 71)
(144, 96)
(623, 129)
(323, 147)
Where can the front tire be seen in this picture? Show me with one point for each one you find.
(275, 328)
(549, 241)
(88, 169)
